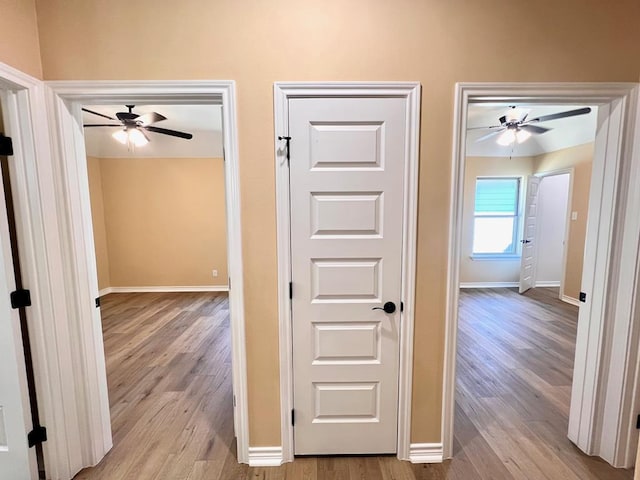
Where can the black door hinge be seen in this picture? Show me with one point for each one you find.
(288, 140)
(582, 297)
(293, 417)
(638, 422)
(291, 290)
(6, 146)
(20, 298)
(97, 302)
(37, 436)
(402, 306)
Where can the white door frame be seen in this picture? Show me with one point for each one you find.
(86, 404)
(604, 396)
(283, 91)
(565, 246)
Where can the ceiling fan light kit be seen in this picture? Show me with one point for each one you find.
(132, 127)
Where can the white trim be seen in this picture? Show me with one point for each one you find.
(265, 456)
(165, 289)
(611, 257)
(283, 91)
(425, 453)
(488, 284)
(69, 177)
(547, 283)
(570, 300)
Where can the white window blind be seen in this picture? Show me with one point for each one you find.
(495, 216)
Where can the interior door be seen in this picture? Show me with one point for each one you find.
(16, 460)
(529, 247)
(347, 164)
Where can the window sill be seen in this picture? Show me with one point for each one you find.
(494, 257)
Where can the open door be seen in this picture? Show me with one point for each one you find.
(527, 262)
(17, 461)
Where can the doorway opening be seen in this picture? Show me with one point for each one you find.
(66, 100)
(159, 230)
(515, 353)
(606, 199)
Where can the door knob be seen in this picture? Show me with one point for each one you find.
(388, 307)
(525, 241)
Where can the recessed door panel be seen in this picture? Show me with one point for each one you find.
(346, 214)
(346, 402)
(346, 144)
(346, 342)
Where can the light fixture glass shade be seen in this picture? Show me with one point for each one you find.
(507, 137)
(121, 136)
(522, 136)
(137, 137)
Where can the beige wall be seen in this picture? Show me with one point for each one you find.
(256, 43)
(19, 46)
(97, 217)
(580, 159)
(477, 270)
(162, 221)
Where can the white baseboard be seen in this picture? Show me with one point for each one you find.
(163, 289)
(425, 453)
(571, 300)
(548, 284)
(265, 456)
(488, 285)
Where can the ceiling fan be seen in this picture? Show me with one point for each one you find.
(514, 125)
(133, 127)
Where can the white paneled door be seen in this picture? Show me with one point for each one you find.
(529, 247)
(346, 185)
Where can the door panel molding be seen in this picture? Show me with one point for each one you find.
(283, 91)
(604, 393)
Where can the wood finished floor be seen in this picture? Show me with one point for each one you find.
(168, 368)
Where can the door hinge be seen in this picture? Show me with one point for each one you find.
(6, 146)
(402, 306)
(20, 298)
(638, 422)
(234, 401)
(582, 297)
(97, 302)
(37, 436)
(293, 417)
(291, 290)
(229, 283)
(288, 140)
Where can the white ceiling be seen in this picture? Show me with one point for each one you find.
(565, 133)
(203, 121)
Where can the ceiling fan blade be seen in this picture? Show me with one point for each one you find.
(166, 131)
(483, 128)
(556, 116)
(534, 129)
(489, 135)
(98, 114)
(101, 125)
(149, 118)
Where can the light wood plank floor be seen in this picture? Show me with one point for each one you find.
(169, 364)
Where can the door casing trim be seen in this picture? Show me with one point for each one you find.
(88, 396)
(283, 91)
(606, 373)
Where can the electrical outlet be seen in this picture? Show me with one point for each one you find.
(574, 215)
(215, 273)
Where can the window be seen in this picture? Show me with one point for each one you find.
(495, 222)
